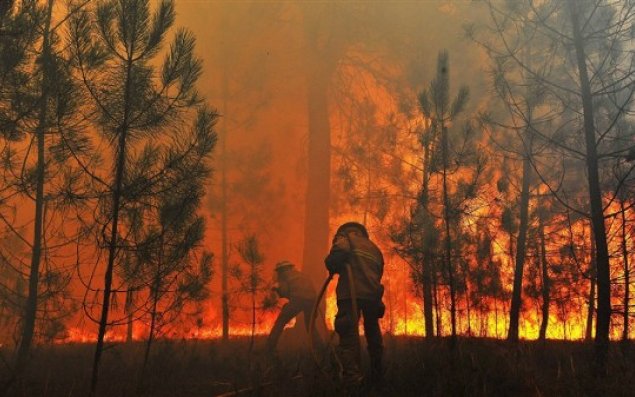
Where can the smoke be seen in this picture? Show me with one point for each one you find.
(377, 56)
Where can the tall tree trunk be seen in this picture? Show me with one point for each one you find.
(425, 265)
(316, 219)
(448, 236)
(324, 49)
(545, 282)
(120, 165)
(30, 309)
(224, 242)
(595, 195)
(627, 280)
(514, 314)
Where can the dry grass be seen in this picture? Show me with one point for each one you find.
(414, 367)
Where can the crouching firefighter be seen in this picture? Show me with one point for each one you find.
(360, 266)
(298, 289)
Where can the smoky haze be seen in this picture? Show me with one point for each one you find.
(258, 65)
(159, 159)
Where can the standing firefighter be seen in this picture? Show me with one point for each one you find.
(298, 289)
(360, 266)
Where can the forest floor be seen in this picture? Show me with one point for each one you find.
(414, 367)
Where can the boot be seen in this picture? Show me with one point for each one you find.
(376, 378)
(351, 374)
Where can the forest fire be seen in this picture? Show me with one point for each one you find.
(187, 175)
(404, 313)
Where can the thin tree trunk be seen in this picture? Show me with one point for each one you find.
(368, 182)
(563, 314)
(405, 312)
(588, 334)
(626, 273)
(514, 314)
(545, 283)
(448, 237)
(253, 306)
(224, 242)
(30, 309)
(112, 244)
(496, 317)
(156, 285)
(595, 196)
(128, 309)
(153, 317)
(391, 324)
(436, 308)
(467, 304)
(427, 291)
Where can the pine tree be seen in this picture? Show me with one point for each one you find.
(37, 106)
(598, 69)
(167, 252)
(252, 284)
(436, 107)
(137, 108)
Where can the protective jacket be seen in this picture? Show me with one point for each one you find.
(295, 285)
(366, 262)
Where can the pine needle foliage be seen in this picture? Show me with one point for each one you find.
(149, 114)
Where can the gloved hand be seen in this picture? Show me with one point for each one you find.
(335, 260)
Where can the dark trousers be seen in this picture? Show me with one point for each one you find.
(349, 347)
(287, 313)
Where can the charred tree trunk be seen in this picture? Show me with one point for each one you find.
(391, 311)
(595, 197)
(544, 265)
(30, 309)
(224, 242)
(425, 265)
(627, 279)
(448, 236)
(405, 312)
(253, 291)
(437, 313)
(588, 335)
(467, 303)
(514, 314)
(128, 308)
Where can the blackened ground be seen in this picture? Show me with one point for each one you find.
(414, 367)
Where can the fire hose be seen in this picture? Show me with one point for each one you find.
(314, 313)
(318, 301)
